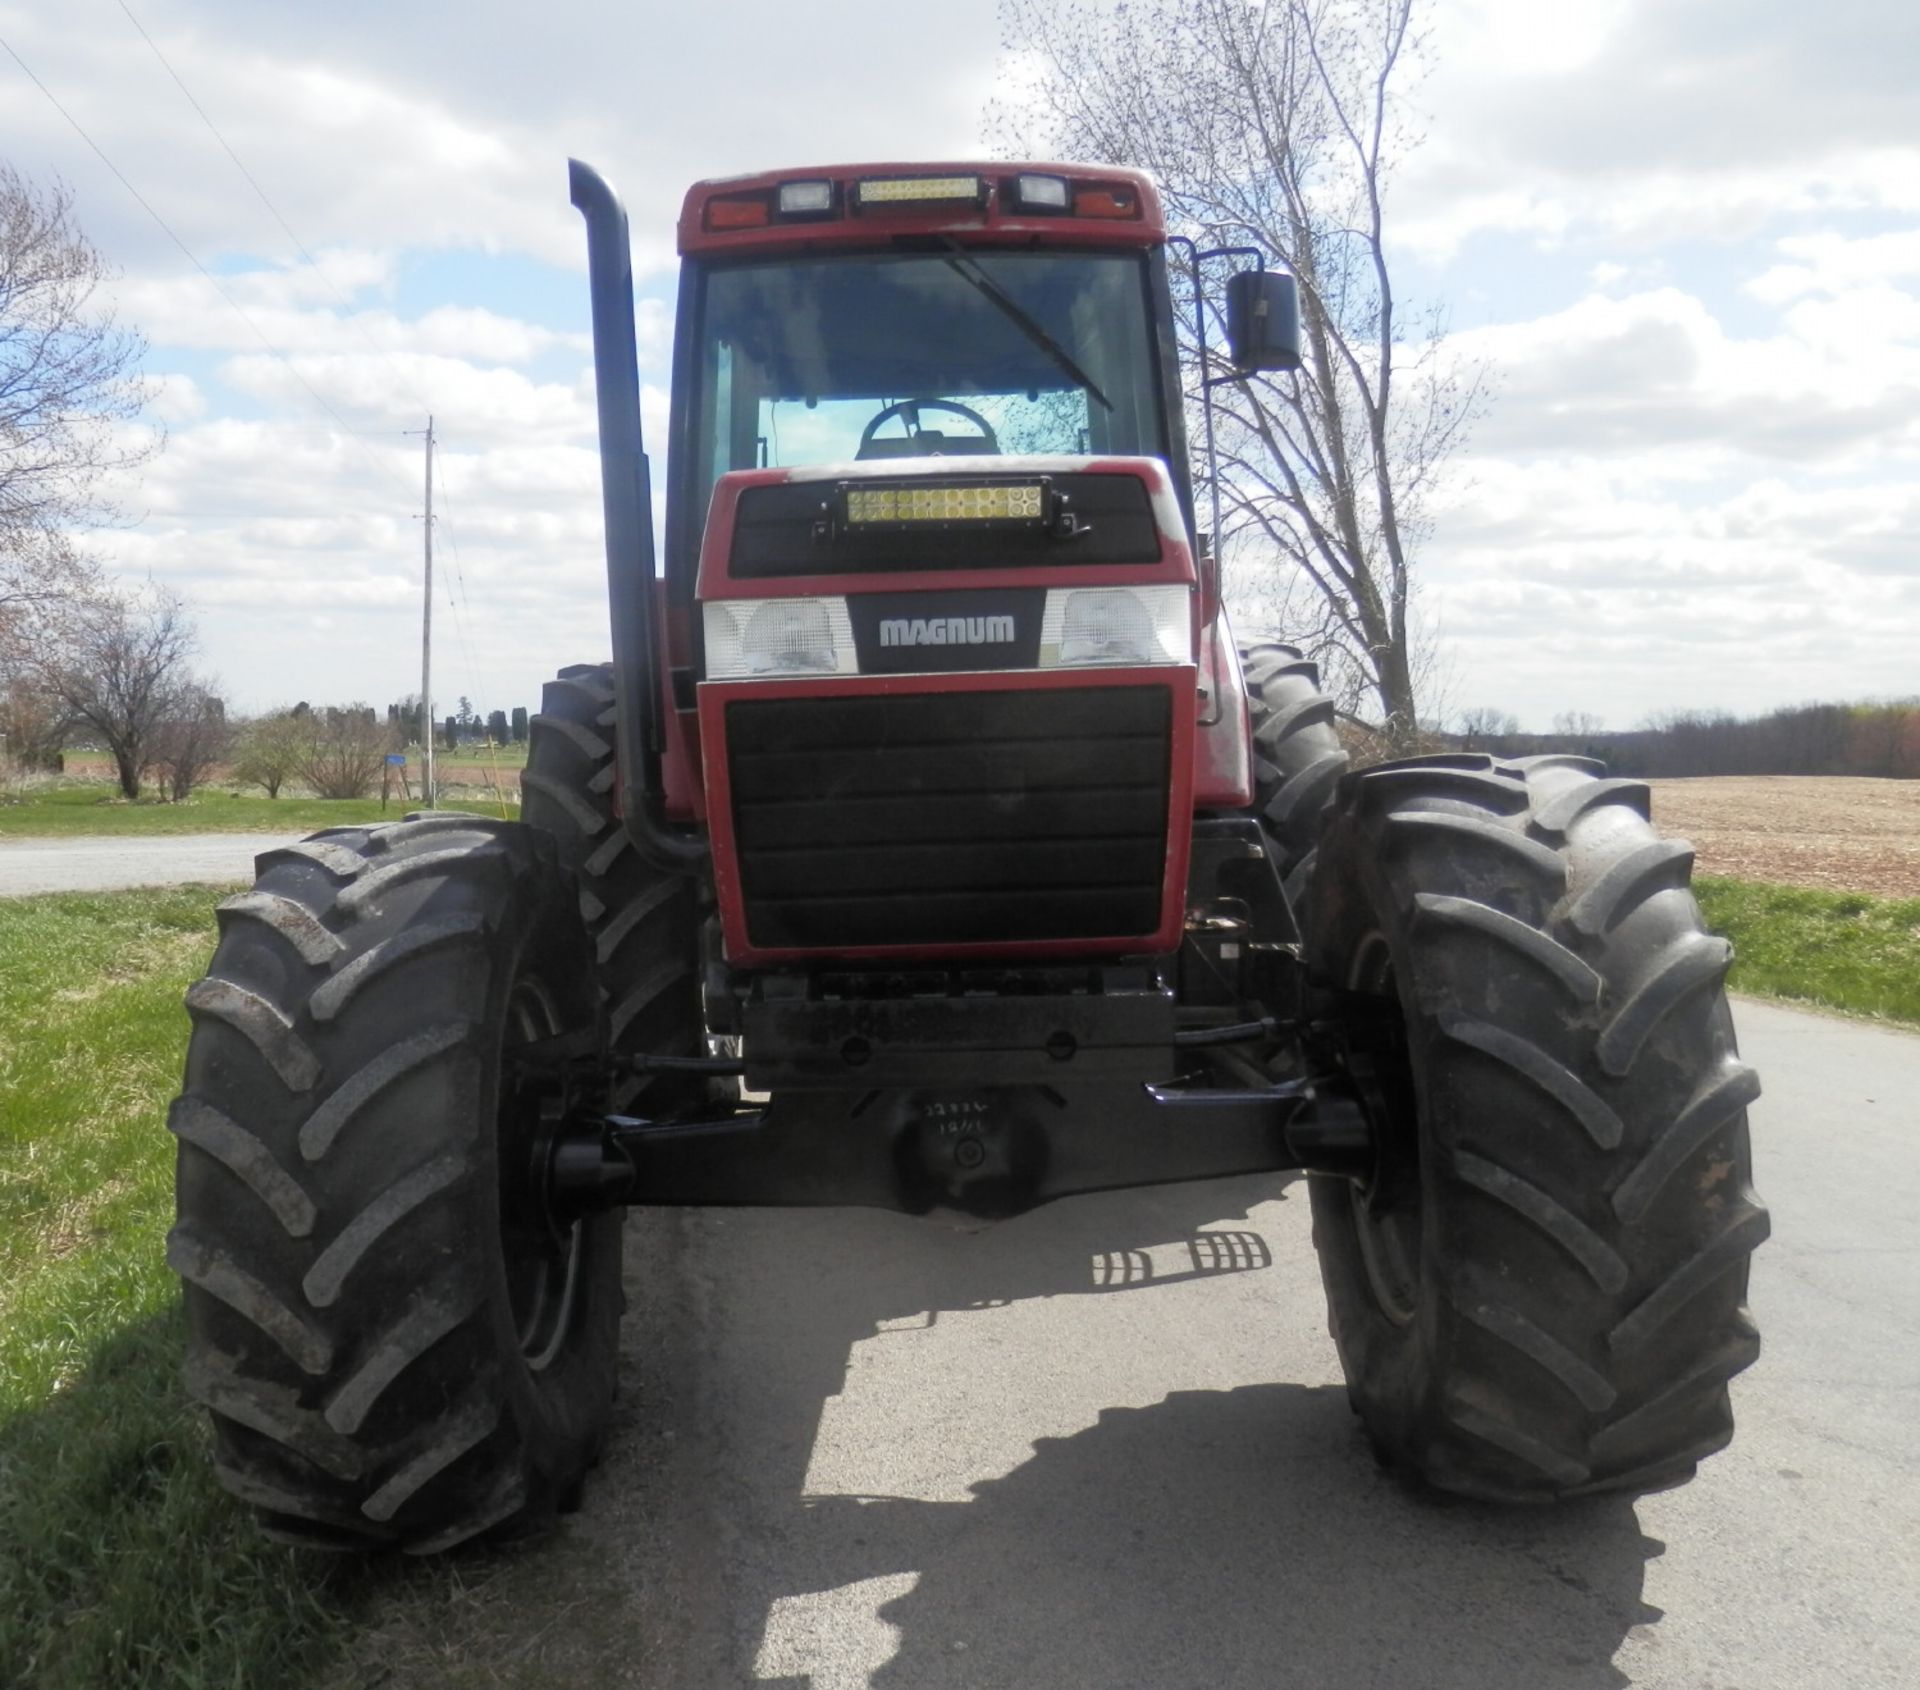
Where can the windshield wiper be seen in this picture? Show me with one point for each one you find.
(963, 266)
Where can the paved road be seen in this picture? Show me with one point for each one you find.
(91, 863)
(1104, 1447)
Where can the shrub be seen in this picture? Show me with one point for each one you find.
(344, 752)
(271, 750)
(189, 739)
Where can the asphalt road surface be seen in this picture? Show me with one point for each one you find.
(91, 863)
(1106, 1446)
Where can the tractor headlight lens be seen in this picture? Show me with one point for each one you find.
(1090, 626)
(753, 638)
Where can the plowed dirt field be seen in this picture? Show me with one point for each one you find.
(1840, 832)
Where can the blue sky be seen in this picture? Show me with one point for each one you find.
(1685, 234)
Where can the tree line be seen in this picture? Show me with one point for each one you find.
(464, 726)
(1876, 738)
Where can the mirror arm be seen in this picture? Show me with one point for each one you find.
(1209, 381)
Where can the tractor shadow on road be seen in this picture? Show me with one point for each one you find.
(1213, 1538)
(1269, 1556)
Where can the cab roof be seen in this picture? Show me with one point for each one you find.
(1105, 206)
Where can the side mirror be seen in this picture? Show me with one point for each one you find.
(1263, 321)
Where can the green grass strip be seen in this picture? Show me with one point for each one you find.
(1840, 950)
(62, 811)
(121, 1561)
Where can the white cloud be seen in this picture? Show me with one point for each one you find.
(1831, 263)
(1647, 121)
(1623, 373)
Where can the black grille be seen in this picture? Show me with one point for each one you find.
(950, 818)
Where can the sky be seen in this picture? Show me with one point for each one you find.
(1684, 236)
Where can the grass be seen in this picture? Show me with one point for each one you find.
(1840, 950)
(86, 808)
(121, 1561)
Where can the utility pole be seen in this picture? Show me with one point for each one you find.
(426, 641)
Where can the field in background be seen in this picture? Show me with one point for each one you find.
(1838, 833)
(471, 764)
(68, 808)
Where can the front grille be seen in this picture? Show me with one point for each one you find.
(951, 817)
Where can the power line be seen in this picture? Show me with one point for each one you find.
(287, 228)
(212, 280)
(252, 181)
(233, 305)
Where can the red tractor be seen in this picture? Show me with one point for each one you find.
(929, 842)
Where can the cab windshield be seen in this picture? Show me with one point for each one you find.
(955, 353)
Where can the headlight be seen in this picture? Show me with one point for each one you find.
(1080, 627)
(747, 638)
(1089, 626)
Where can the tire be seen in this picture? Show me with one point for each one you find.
(395, 1347)
(1542, 1291)
(1298, 758)
(644, 923)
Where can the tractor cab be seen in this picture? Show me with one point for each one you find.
(869, 316)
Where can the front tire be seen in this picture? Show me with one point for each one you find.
(1542, 1290)
(396, 1346)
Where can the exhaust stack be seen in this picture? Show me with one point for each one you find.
(626, 499)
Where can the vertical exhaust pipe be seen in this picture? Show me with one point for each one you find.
(627, 501)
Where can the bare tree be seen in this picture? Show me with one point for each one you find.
(1483, 723)
(345, 748)
(117, 663)
(271, 750)
(38, 572)
(69, 373)
(190, 738)
(1276, 126)
(69, 383)
(33, 724)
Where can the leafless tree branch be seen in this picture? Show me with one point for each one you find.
(1278, 126)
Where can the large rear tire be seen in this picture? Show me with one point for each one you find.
(1542, 1291)
(396, 1345)
(644, 921)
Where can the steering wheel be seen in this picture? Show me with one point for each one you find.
(908, 410)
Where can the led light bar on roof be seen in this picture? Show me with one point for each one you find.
(905, 190)
(1005, 502)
